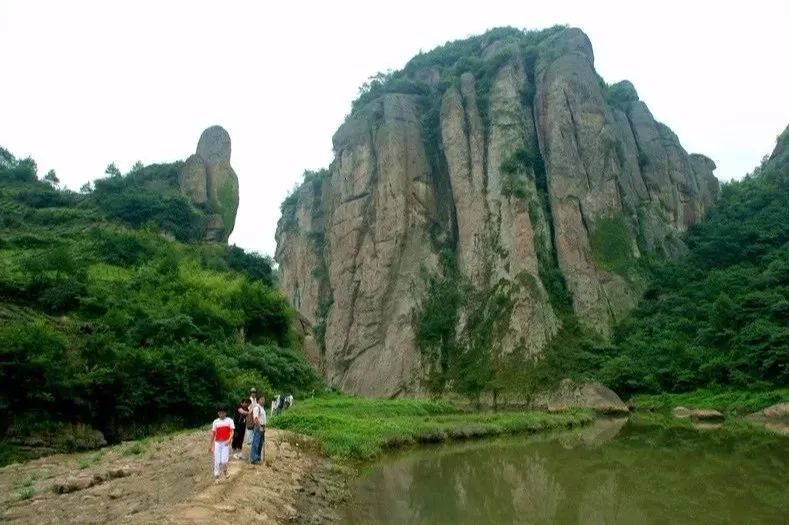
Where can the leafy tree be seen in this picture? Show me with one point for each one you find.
(112, 170)
(52, 178)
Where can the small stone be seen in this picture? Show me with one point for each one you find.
(705, 414)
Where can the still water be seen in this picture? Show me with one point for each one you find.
(613, 471)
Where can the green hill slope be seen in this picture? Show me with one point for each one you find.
(720, 316)
(125, 329)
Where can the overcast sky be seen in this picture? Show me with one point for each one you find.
(88, 83)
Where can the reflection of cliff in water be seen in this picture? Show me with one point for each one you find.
(606, 473)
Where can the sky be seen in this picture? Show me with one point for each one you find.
(86, 83)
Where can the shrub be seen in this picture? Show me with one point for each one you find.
(611, 244)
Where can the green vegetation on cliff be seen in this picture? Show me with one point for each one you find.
(127, 329)
(715, 319)
(718, 317)
(357, 428)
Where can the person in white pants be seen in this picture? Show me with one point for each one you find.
(222, 431)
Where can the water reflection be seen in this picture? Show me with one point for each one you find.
(610, 472)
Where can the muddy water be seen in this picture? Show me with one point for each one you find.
(611, 472)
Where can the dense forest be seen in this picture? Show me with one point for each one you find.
(113, 316)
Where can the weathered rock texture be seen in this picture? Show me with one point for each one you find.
(518, 161)
(569, 395)
(210, 182)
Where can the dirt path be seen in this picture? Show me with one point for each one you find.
(168, 480)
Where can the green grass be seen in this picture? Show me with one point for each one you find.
(355, 428)
(134, 449)
(732, 402)
(26, 493)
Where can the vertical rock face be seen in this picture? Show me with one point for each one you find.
(517, 161)
(209, 181)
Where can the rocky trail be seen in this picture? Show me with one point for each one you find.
(168, 479)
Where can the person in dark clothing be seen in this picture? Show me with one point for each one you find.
(240, 420)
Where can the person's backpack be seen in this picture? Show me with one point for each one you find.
(250, 419)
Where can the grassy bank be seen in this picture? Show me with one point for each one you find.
(730, 402)
(359, 428)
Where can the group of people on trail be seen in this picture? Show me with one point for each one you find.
(228, 433)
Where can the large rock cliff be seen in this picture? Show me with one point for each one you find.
(209, 181)
(507, 154)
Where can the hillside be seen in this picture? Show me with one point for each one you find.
(489, 205)
(115, 317)
(718, 317)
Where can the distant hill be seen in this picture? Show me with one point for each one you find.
(114, 315)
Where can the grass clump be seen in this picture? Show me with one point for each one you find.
(356, 428)
(26, 493)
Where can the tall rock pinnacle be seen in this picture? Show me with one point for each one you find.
(208, 179)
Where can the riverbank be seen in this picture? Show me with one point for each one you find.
(728, 402)
(359, 429)
(167, 478)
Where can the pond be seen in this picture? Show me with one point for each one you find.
(612, 471)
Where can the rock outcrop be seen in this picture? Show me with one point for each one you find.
(515, 160)
(570, 394)
(774, 418)
(778, 411)
(209, 181)
(697, 414)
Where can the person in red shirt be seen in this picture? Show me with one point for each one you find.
(222, 431)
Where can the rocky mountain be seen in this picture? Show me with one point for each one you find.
(502, 161)
(208, 180)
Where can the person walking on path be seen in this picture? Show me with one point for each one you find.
(240, 422)
(253, 394)
(221, 435)
(258, 431)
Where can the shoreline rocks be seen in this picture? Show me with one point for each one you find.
(697, 414)
(774, 418)
(591, 395)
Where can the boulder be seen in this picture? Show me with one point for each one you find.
(697, 414)
(591, 395)
(774, 418)
(777, 411)
(705, 414)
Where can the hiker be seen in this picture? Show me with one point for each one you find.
(280, 404)
(289, 401)
(240, 421)
(274, 405)
(221, 435)
(253, 394)
(258, 431)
